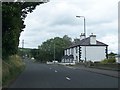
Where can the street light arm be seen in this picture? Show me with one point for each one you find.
(84, 24)
(80, 16)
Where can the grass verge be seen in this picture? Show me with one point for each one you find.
(11, 68)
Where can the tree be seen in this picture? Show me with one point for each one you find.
(65, 37)
(46, 50)
(13, 15)
(76, 40)
(34, 53)
(112, 54)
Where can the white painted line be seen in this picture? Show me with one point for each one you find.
(50, 68)
(71, 67)
(56, 71)
(68, 78)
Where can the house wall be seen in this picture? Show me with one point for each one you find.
(117, 59)
(93, 53)
(76, 54)
(65, 52)
(72, 51)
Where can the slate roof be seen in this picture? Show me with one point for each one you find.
(86, 42)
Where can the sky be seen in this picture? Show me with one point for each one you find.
(58, 18)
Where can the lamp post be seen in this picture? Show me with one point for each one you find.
(84, 32)
(84, 24)
(22, 48)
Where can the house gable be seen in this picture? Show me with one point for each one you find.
(95, 50)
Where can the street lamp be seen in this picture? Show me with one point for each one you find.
(22, 48)
(84, 32)
(84, 24)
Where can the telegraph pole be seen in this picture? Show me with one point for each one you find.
(22, 48)
(22, 43)
(54, 52)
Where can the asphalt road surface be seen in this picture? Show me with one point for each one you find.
(37, 75)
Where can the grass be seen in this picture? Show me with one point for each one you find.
(108, 61)
(11, 68)
(0, 72)
(109, 64)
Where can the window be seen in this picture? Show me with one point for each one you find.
(76, 50)
(72, 51)
(69, 51)
(65, 52)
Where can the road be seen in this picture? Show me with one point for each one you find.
(37, 75)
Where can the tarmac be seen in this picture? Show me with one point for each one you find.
(112, 73)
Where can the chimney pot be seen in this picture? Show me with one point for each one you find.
(82, 36)
(92, 39)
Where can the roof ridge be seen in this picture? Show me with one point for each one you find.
(86, 42)
(84, 39)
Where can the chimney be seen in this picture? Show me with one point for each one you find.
(92, 39)
(82, 36)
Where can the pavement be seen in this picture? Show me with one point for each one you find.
(111, 73)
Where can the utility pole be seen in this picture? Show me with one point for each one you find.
(54, 52)
(22, 48)
(22, 43)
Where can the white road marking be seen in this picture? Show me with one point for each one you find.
(68, 78)
(50, 68)
(72, 67)
(56, 71)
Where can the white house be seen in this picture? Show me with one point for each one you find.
(88, 49)
(117, 57)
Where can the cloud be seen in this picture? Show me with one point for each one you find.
(57, 18)
(112, 41)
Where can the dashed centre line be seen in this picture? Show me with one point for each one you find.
(68, 78)
(56, 71)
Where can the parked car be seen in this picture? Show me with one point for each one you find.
(55, 61)
(32, 58)
(48, 62)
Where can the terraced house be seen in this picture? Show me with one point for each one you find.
(86, 49)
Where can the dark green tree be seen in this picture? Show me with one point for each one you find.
(112, 54)
(34, 53)
(76, 40)
(13, 15)
(46, 50)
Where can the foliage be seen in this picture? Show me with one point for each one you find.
(76, 40)
(107, 61)
(112, 54)
(34, 53)
(13, 15)
(46, 50)
(24, 51)
(11, 68)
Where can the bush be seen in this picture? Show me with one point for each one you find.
(0, 74)
(11, 68)
(107, 61)
(111, 60)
